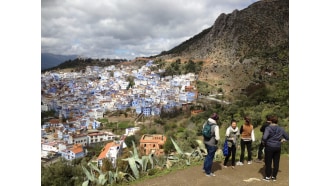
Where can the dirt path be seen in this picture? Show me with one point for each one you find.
(224, 176)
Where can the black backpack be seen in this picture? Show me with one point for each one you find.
(207, 131)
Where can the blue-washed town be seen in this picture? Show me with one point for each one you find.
(80, 99)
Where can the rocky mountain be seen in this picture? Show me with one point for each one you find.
(243, 50)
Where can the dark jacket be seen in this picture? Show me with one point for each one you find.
(263, 127)
(273, 136)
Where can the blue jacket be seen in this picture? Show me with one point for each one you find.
(273, 135)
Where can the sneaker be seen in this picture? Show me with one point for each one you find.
(273, 178)
(209, 175)
(249, 162)
(266, 178)
(239, 163)
(225, 166)
(232, 167)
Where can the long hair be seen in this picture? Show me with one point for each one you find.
(247, 120)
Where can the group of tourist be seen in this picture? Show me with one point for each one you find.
(272, 138)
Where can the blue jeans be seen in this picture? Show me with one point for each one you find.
(209, 158)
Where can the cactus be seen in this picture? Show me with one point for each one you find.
(137, 164)
(202, 147)
(177, 148)
(133, 165)
(101, 180)
(134, 161)
(195, 155)
(91, 177)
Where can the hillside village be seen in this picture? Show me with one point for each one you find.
(80, 99)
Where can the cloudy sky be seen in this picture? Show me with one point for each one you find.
(126, 28)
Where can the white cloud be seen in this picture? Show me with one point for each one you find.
(140, 27)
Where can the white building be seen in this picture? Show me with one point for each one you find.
(131, 131)
(111, 151)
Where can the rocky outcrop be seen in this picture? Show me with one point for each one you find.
(241, 46)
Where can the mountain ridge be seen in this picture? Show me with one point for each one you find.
(242, 49)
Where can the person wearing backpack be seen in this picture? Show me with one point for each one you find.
(210, 143)
(273, 137)
(232, 135)
(247, 137)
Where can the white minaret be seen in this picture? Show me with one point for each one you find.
(60, 116)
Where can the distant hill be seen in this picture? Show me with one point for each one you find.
(49, 60)
(79, 64)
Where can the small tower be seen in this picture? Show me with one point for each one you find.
(60, 116)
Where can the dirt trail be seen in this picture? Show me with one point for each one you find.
(193, 176)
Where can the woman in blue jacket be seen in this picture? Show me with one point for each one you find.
(273, 137)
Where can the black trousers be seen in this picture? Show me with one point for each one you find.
(272, 155)
(248, 145)
(261, 147)
(232, 153)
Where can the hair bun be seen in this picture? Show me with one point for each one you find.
(215, 116)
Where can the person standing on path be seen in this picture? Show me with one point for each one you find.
(262, 145)
(247, 137)
(273, 137)
(232, 135)
(211, 144)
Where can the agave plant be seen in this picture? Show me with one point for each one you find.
(196, 155)
(202, 147)
(181, 155)
(133, 163)
(100, 180)
(104, 178)
(203, 151)
(137, 164)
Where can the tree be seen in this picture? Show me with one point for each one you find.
(61, 173)
(129, 139)
(168, 146)
(190, 67)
